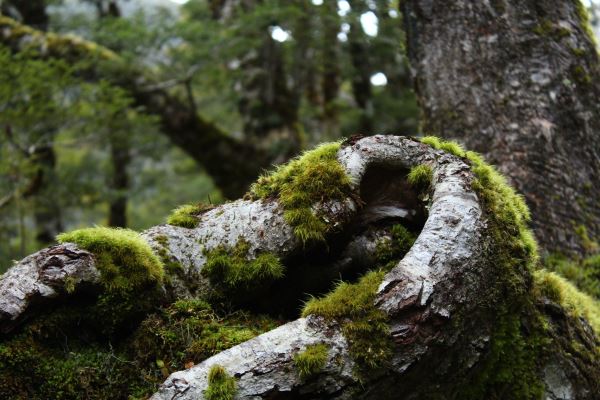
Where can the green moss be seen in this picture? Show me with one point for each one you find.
(589, 245)
(124, 259)
(363, 325)
(547, 28)
(190, 331)
(388, 252)
(187, 215)
(221, 386)
(316, 176)
(232, 269)
(580, 75)
(312, 360)
(510, 367)
(585, 274)
(420, 176)
(171, 265)
(563, 292)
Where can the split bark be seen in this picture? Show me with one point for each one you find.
(437, 297)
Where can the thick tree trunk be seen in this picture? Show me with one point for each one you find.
(178, 119)
(458, 316)
(518, 81)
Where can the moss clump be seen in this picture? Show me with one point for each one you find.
(221, 386)
(312, 360)
(420, 176)
(584, 20)
(230, 268)
(388, 252)
(170, 264)
(364, 325)
(316, 176)
(124, 259)
(187, 215)
(585, 274)
(563, 292)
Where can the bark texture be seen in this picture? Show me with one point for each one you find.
(454, 307)
(518, 81)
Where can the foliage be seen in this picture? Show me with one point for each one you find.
(124, 259)
(311, 360)
(221, 386)
(316, 176)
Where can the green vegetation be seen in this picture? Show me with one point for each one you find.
(563, 292)
(364, 325)
(187, 215)
(584, 20)
(510, 368)
(232, 269)
(388, 252)
(311, 360)
(585, 274)
(221, 386)
(124, 259)
(420, 176)
(315, 176)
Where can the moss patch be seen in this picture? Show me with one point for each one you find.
(316, 176)
(187, 215)
(231, 269)
(364, 325)
(585, 274)
(420, 176)
(124, 259)
(563, 292)
(389, 252)
(221, 386)
(312, 360)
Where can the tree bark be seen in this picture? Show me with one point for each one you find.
(444, 302)
(178, 119)
(518, 81)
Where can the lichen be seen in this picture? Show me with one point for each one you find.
(315, 176)
(233, 269)
(311, 361)
(221, 386)
(187, 215)
(364, 326)
(124, 259)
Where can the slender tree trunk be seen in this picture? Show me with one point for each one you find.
(518, 81)
(120, 158)
(46, 202)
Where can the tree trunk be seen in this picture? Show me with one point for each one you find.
(462, 315)
(518, 81)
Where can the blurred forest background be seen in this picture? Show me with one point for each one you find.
(206, 96)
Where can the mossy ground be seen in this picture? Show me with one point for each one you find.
(316, 176)
(65, 354)
(221, 386)
(311, 360)
(188, 215)
(125, 260)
